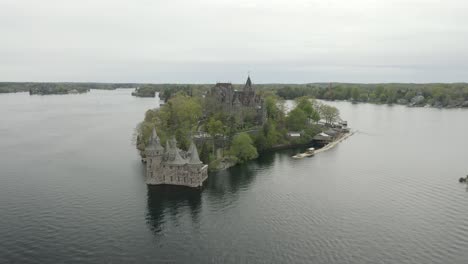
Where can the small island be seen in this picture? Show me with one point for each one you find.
(145, 91)
(57, 89)
(229, 126)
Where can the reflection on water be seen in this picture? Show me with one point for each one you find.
(168, 203)
(171, 202)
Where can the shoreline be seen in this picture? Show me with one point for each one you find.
(323, 149)
(334, 143)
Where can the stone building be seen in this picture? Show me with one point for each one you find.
(173, 166)
(236, 102)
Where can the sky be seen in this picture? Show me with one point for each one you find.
(207, 41)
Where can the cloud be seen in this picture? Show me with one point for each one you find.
(199, 41)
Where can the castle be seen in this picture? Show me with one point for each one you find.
(173, 166)
(234, 102)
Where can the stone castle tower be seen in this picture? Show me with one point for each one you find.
(234, 101)
(173, 166)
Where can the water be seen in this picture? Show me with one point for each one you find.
(72, 191)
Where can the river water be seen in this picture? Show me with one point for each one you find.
(72, 191)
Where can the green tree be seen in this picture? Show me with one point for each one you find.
(306, 104)
(214, 128)
(271, 107)
(355, 94)
(242, 148)
(178, 117)
(331, 114)
(296, 119)
(205, 153)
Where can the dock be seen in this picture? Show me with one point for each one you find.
(335, 142)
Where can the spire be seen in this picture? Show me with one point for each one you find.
(194, 159)
(177, 158)
(167, 149)
(154, 136)
(154, 140)
(173, 143)
(168, 146)
(170, 150)
(248, 84)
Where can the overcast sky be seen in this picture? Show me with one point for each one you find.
(205, 41)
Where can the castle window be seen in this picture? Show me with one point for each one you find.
(171, 178)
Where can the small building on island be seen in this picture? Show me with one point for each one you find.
(322, 139)
(172, 166)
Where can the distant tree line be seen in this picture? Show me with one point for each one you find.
(166, 91)
(431, 94)
(435, 95)
(58, 87)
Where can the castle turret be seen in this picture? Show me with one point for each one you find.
(194, 158)
(154, 154)
(154, 147)
(178, 160)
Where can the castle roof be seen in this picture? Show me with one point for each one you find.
(168, 146)
(154, 142)
(173, 143)
(173, 152)
(154, 135)
(194, 158)
(178, 159)
(170, 149)
(248, 82)
(227, 85)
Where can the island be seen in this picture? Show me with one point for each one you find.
(46, 89)
(49, 88)
(145, 91)
(229, 126)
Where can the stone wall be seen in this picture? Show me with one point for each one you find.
(192, 175)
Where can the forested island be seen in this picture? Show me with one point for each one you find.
(232, 126)
(167, 90)
(46, 88)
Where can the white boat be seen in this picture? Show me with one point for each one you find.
(309, 153)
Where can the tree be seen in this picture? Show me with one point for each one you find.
(242, 148)
(205, 153)
(331, 114)
(306, 104)
(296, 119)
(271, 107)
(214, 127)
(355, 94)
(178, 117)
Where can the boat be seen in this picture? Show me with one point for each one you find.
(309, 153)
